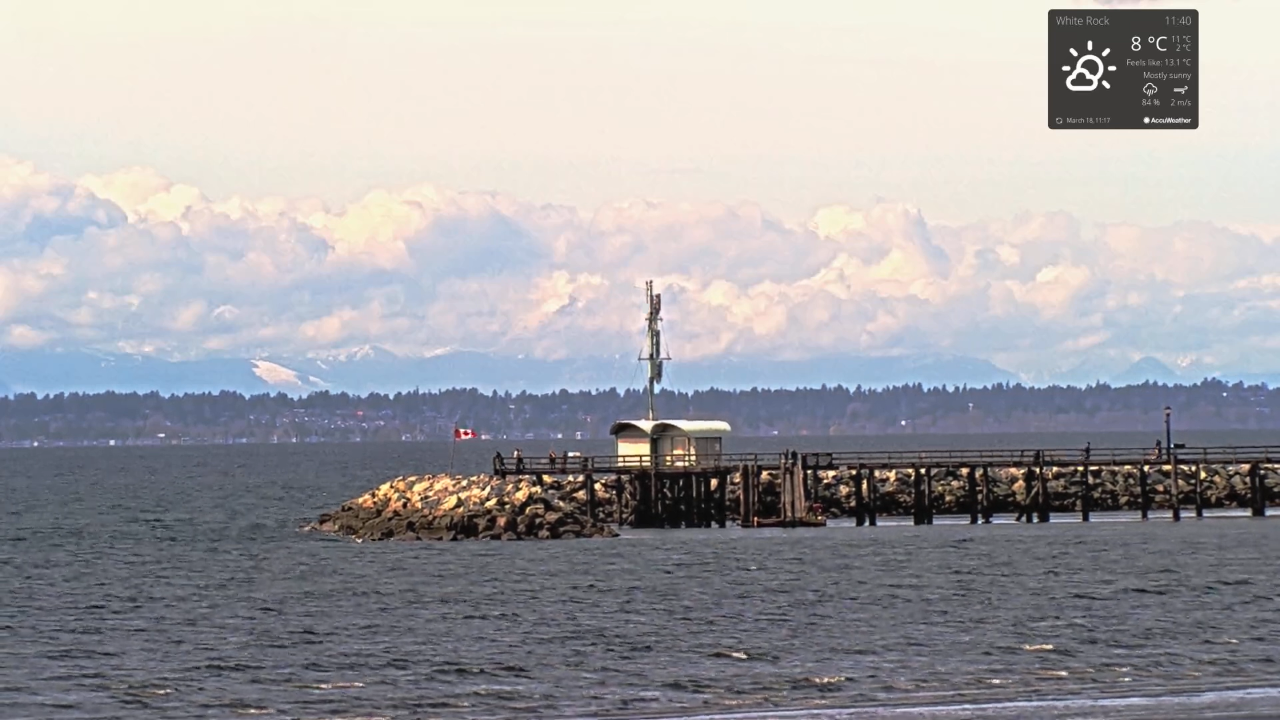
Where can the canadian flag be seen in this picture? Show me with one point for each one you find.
(463, 434)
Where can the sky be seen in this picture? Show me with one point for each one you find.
(189, 178)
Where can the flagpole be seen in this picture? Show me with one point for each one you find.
(453, 444)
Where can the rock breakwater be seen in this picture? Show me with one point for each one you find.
(481, 507)
(1111, 488)
(484, 507)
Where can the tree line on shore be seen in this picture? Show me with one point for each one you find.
(415, 415)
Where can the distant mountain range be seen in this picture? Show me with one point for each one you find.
(375, 369)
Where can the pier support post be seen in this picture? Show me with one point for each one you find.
(618, 493)
(859, 499)
(670, 499)
(784, 488)
(722, 498)
(798, 498)
(1144, 492)
(756, 474)
(974, 509)
(1086, 494)
(917, 497)
(1257, 492)
(636, 483)
(1174, 495)
(873, 496)
(986, 495)
(708, 505)
(928, 496)
(692, 500)
(591, 496)
(1199, 489)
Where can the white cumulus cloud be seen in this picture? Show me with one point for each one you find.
(133, 261)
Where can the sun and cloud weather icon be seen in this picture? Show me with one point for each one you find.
(1084, 79)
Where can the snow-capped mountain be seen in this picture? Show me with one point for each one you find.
(375, 369)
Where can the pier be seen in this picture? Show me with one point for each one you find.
(673, 473)
(694, 489)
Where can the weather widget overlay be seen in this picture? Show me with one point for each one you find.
(1124, 69)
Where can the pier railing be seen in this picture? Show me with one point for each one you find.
(891, 459)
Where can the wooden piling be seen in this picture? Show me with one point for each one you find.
(722, 498)
(974, 509)
(1257, 492)
(928, 496)
(634, 480)
(1199, 488)
(917, 497)
(691, 501)
(619, 490)
(591, 496)
(1144, 491)
(873, 496)
(801, 491)
(670, 501)
(708, 502)
(1174, 495)
(1086, 494)
(986, 495)
(784, 490)
(756, 475)
(859, 499)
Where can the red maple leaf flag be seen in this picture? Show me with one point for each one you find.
(463, 434)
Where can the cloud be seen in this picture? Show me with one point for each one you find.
(23, 337)
(133, 261)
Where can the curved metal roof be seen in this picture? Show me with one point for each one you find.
(692, 428)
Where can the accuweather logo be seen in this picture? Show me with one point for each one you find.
(1166, 121)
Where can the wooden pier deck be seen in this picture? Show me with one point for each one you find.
(685, 491)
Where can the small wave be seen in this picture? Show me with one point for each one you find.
(828, 680)
(333, 686)
(735, 654)
(1052, 673)
(253, 711)
(149, 692)
(1037, 648)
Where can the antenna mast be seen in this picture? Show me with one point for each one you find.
(653, 336)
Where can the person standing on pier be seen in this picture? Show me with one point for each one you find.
(519, 460)
(551, 459)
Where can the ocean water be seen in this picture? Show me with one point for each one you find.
(174, 583)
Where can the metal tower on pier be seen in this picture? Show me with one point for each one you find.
(653, 337)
